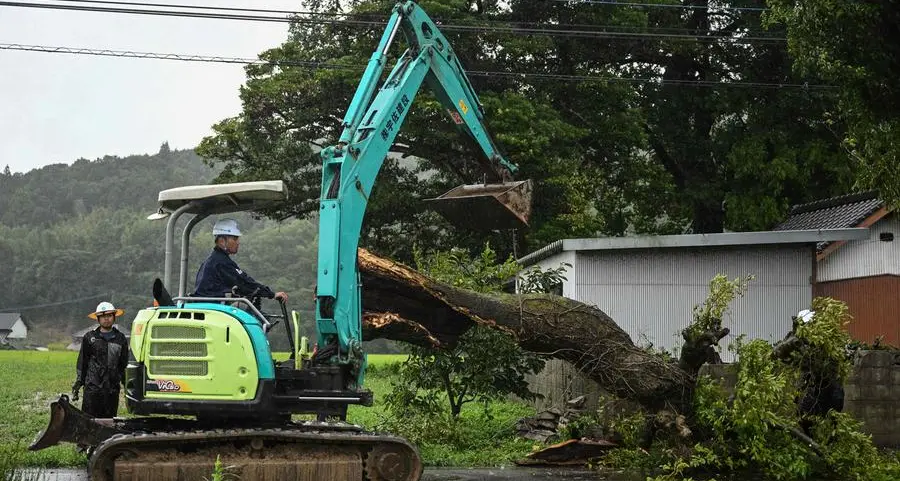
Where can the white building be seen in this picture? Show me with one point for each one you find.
(649, 285)
(12, 326)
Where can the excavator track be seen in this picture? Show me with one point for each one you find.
(313, 451)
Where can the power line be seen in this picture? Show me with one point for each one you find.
(553, 32)
(358, 15)
(663, 5)
(50, 304)
(207, 7)
(326, 65)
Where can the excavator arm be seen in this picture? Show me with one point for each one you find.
(350, 168)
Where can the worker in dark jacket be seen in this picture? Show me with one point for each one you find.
(218, 274)
(101, 364)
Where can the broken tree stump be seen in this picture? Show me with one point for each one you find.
(405, 305)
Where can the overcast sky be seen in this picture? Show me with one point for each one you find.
(56, 108)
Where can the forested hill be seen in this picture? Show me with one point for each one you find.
(58, 192)
(73, 235)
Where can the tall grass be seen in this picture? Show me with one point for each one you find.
(11, 465)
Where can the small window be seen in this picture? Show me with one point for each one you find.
(886, 236)
(163, 315)
(185, 315)
(200, 316)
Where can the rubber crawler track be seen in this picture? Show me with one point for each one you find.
(382, 457)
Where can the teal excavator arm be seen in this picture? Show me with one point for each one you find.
(350, 167)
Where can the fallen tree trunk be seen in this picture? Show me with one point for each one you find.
(404, 305)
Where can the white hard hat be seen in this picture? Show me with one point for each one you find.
(806, 315)
(226, 227)
(105, 307)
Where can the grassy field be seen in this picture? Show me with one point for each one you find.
(30, 380)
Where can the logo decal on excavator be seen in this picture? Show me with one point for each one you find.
(396, 115)
(463, 106)
(457, 119)
(168, 385)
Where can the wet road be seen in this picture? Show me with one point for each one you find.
(431, 474)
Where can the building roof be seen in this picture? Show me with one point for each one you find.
(811, 236)
(8, 319)
(833, 213)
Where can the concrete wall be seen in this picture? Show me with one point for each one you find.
(871, 393)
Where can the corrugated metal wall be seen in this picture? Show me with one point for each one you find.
(874, 303)
(864, 258)
(651, 293)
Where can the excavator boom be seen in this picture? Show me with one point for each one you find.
(350, 169)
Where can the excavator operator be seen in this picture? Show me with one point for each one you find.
(220, 276)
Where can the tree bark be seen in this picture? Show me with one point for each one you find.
(404, 305)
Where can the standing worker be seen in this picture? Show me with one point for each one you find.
(101, 364)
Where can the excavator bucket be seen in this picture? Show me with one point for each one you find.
(70, 424)
(499, 206)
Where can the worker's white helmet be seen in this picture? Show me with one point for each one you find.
(105, 307)
(805, 315)
(226, 227)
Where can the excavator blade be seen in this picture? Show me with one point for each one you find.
(487, 206)
(70, 424)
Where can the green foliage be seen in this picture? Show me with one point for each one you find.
(221, 471)
(833, 40)
(722, 291)
(826, 336)
(606, 157)
(480, 274)
(484, 365)
(11, 457)
(750, 431)
(94, 243)
(480, 436)
(29, 381)
(535, 279)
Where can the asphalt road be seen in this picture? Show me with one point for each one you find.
(436, 474)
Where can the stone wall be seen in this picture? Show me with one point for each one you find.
(871, 393)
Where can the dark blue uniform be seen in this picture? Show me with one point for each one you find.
(218, 274)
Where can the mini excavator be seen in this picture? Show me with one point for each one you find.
(201, 381)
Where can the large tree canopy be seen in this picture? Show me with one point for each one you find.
(853, 46)
(628, 119)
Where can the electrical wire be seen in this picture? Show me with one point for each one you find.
(369, 16)
(50, 304)
(326, 65)
(662, 5)
(553, 32)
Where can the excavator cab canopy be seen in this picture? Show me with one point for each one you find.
(206, 200)
(223, 198)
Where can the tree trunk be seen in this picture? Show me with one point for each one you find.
(404, 305)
